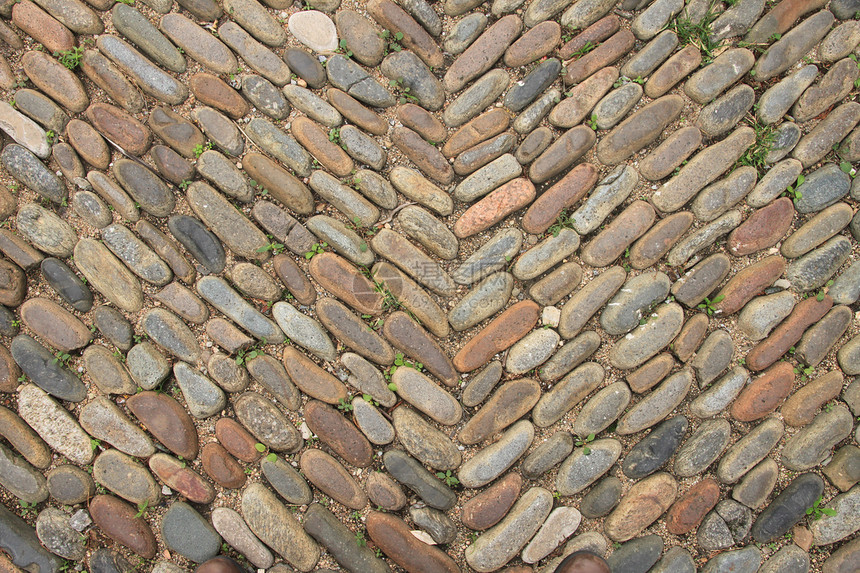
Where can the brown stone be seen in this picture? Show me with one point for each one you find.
(780, 19)
(237, 440)
(641, 506)
(488, 507)
(331, 478)
(219, 564)
(55, 80)
(167, 420)
(422, 122)
(480, 129)
(673, 151)
(747, 283)
(107, 76)
(22, 254)
(55, 325)
(651, 373)
(639, 130)
(618, 235)
(505, 330)
(339, 434)
(171, 165)
(346, 282)
(415, 342)
(562, 195)
(316, 141)
(563, 153)
(425, 156)
(394, 537)
(763, 229)
(176, 131)
(764, 394)
(597, 32)
(476, 157)
(497, 205)
(311, 379)
(183, 479)
(119, 521)
(690, 509)
(9, 371)
(213, 91)
(280, 183)
(167, 250)
(120, 127)
(509, 403)
(691, 336)
(294, 279)
(91, 147)
(580, 100)
(13, 284)
(42, 27)
(675, 69)
(806, 313)
(534, 44)
(800, 408)
(355, 112)
(222, 467)
(392, 18)
(616, 47)
(483, 53)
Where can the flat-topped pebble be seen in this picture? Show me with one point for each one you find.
(423, 441)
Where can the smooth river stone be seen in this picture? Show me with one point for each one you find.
(643, 504)
(638, 130)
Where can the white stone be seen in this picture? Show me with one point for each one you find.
(314, 29)
(24, 130)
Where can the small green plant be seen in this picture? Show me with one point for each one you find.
(823, 291)
(119, 355)
(389, 301)
(378, 553)
(245, 354)
(400, 360)
(592, 122)
(141, 509)
(793, 190)
(404, 92)
(63, 357)
(756, 155)
(449, 479)
(828, 407)
(359, 539)
(317, 249)
(334, 135)
(562, 221)
(697, 33)
(392, 41)
(848, 169)
(70, 58)
(184, 185)
(816, 511)
(27, 508)
(271, 456)
(392, 386)
(200, 148)
(343, 49)
(369, 399)
(344, 406)
(710, 305)
(95, 443)
(274, 247)
(556, 495)
(129, 2)
(589, 46)
(804, 371)
(52, 136)
(583, 443)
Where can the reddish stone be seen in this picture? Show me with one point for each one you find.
(748, 283)
(510, 403)
(499, 335)
(425, 156)
(675, 69)
(595, 33)
(13, 284)
(167, 420)
(392, 18)
(764, 394)
(54, 324)
(9, 371)
(618, 235)
(237, 440)
(570, 189)
(488, 507)
(345, 281)
(183, 479)
(616, 47)
(222, 467)
(411, 338)
(120, 127)
(91, 147)
(338, 433)
(294, 279)
(316, 141)
(480, 129)
(651, 373)
(781, 17)
(801, 406)
(42, 27)
(420, 121)
(395, 539)
(219, 564)
(331, 477)
(789, 331)
(507, 199)
(691, 336)
(119, 522)
(311, 379)
(213, 91)
(691, 508)
(763, 229)
(534, 44)
(651, 247)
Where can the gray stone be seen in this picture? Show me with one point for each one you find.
(55, 533)
(493, 460)
(816, 267)
(188, 533)
(749, 450)
(778, 99)
(580, 470)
